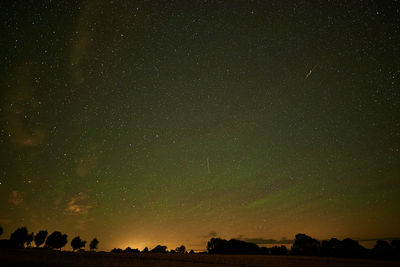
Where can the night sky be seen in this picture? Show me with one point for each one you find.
(170, 122)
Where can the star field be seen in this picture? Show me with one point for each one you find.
(147, 122)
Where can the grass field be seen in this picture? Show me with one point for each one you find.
(57, 259)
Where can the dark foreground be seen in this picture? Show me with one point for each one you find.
(58, 259)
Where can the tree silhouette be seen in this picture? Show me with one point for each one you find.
(216, 246)
(93, 244)
(305, 245)
(382, 250)
(40, 237)
(181, 249)
(145, 250)
(351, 249)
(233, 246)
(1, 230)
(395, 244)
(19, 237)
(159, 249)
(29, 240)
(77, 243)
(56, 240)
(275, 250)
(265, 251)
(131, 250)
(331, 248)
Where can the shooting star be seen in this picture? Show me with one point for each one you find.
(309, 73)
(208, 166)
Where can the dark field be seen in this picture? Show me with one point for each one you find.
(56, 258)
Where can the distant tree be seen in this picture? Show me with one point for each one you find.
(114, 250)
(77, 243)
(282, 250)
(350, 248)
(395, 244)
(216, 246)
(19, 237)
(128, 249)
(40, 237)
(325, 248)
(145, 250)
(305, 245)
(265, 251)
(233, 246)
(159, 249)
(382, 250)
(242, 247)
(347, 248)
(331, 248)
(62, 242)
(181, 249)
(93, 244)
(29, 240)
(131, 250)
(56, 240)
(191, 251)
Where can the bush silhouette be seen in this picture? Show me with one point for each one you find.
(19, 237)
(77, 243)
(93, 244)
(40, 237)
(56, 240)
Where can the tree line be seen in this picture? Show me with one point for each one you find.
(305, 245)
(157, 249)
(21, 238)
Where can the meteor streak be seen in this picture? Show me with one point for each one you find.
(309, 73)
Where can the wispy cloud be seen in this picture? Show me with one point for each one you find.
(78, 205)
(16, 198)
(5, 221)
